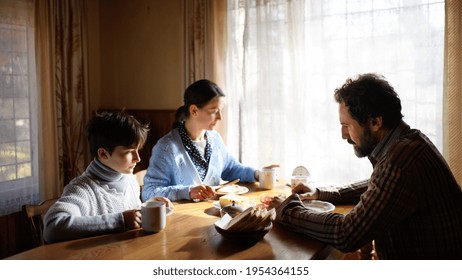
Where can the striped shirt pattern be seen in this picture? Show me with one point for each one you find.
(411, 206)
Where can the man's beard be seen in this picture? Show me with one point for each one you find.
(368, 143)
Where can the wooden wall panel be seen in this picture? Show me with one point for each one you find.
(14, 235)
(161, 122)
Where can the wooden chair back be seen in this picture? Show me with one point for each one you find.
(139, 177)
(33, 214)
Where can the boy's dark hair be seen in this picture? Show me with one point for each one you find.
(369, 96)
(109, 129)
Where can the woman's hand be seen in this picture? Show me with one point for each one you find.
(165, 200)
(257, 173)
(201, 192)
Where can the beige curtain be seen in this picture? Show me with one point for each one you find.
(197, 41)
(452, 103)
(205, 41)
(205, 33)
(61, 57)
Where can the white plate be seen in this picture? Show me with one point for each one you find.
(319, 206)
(248, 204)
(235, 189)
(301, 171)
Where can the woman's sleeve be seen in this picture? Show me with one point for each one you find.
(233, 169)
(161, 173)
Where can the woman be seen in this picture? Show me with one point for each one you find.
(192, 157)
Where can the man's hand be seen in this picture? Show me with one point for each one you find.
(276, 201)
(305, 192)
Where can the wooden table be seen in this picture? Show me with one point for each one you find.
(189, 235)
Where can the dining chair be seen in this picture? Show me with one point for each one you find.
(34, 214)
(139, 177)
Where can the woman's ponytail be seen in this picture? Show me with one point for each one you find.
(180, 116)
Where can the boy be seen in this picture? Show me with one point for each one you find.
(106, 197)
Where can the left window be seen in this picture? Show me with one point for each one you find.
(18, 107)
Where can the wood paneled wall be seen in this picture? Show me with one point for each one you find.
(160, 122)
(14, 235)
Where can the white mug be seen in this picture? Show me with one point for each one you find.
(267, 178)
(153, 216)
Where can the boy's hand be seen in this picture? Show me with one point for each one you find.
(132, 219)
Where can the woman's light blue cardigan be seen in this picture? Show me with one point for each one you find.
(171, 172)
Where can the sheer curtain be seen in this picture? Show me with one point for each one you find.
(285, 59)
(42, 143)
(18, 107)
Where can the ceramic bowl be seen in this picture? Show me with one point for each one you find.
(244, 236)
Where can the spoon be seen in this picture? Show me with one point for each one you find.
(225, 184)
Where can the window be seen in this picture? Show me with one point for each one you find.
(18, 138)
(285, 59)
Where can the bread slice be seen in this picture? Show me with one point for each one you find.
(254, 220)
(268, 217)
(238, 222)
(229, 198)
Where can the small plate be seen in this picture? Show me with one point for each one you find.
(319, 206)
(250, 203)
(235, 189)
(301, 171)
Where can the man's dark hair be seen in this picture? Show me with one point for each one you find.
(109, 129)
(369, 96)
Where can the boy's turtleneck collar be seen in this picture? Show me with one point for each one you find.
(103, 172)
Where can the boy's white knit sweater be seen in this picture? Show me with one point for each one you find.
(92, 204)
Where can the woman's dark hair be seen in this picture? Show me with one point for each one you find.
(369, 96)
(198, 93)
(109, 129)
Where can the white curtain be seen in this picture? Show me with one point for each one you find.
(18, 107)
(285, 59)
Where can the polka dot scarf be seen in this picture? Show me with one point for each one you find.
(200, 162)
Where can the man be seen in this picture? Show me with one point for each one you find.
(411, 206)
